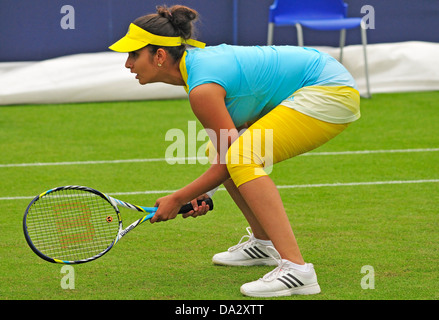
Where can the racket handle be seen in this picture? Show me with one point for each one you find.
(188, 207)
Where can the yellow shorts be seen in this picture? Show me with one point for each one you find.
(281, 134)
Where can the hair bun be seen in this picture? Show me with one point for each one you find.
(164, 12)
(181, 18)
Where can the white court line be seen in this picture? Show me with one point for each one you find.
(69, 163)
(318, 185)
(177, 160)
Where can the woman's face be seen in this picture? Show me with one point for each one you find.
(142, 63)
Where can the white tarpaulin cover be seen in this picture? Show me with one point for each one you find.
(394, 67)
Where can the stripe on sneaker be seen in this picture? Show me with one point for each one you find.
(285, 283)
(289, 280)
(294, 278)
(260, 251)
(250, 254)
(255, 253)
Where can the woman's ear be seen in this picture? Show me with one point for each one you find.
(161, 56)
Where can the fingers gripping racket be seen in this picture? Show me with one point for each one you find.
(75, 224)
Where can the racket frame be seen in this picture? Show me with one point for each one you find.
(115, 203)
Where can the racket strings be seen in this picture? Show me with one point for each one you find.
(72, 225)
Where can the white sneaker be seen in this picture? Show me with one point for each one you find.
(248, 253)
(285, 280)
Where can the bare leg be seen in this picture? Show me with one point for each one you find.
(266, 207)
(257, 229)
(293, 133)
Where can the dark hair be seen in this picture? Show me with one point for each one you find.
(176, 21)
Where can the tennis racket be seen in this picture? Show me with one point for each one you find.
(75, 224)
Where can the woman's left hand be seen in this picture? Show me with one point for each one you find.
(199, 210)
(168, 208)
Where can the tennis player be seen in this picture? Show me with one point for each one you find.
(292, 99)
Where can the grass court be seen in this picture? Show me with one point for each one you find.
(367, 199)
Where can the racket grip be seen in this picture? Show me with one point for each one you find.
(188, 207)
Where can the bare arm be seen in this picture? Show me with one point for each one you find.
(207, 102)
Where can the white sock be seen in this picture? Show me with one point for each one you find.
(264, 242)
(300, 267)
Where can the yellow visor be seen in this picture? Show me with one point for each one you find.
(137, 38)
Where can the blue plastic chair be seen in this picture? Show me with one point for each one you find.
(317, 15)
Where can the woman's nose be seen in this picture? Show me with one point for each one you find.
(128, 63)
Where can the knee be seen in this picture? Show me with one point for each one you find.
(242, 164)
